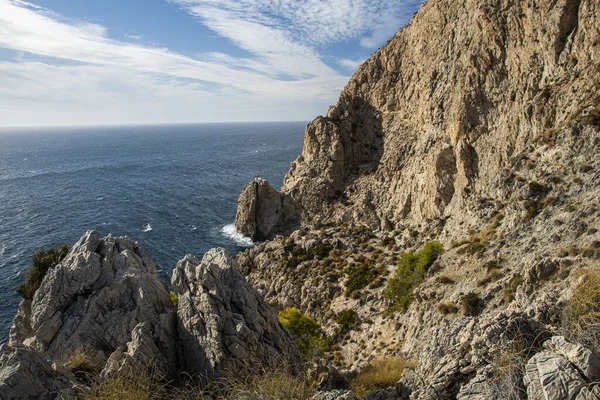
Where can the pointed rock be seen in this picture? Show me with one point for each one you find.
(225, 326)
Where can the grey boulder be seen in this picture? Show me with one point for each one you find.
(225, 326)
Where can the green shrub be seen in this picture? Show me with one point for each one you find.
(41, 262)
(358, 278)
(320, 251)
(348, 319)
(174, 298)
(306, 332)
(471, 304)
(295, 255)
(409, 274)
(447, 308)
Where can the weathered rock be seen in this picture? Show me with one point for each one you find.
(26, 374)
(225, 326)
(94, 300)
(551, 376)
(263, 212)
(562, 372)
(153, 346)
(336, 395)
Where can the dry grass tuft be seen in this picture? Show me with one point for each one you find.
(138, 386)
(581, 320)
(275, 385)
(380, 374)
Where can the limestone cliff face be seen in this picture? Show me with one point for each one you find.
(477, 125)
(263, 212)
(435, 117)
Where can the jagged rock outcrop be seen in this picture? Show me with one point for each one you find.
(563, 371)
(104, 294)
(263, 212)
(225, 326)
(26, 374)
(435, 118)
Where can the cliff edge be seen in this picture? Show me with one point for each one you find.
(436, 118)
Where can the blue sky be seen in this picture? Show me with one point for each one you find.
(95, 62)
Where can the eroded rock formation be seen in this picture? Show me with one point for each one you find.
(105, 304)
(94, 300)
(26, 374)
(263, 212)
(225, 326)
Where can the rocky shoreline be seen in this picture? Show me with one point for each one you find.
(438, 238)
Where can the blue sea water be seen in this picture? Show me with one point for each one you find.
(172, 188)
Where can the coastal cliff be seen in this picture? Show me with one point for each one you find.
(437, 118)
(437, 238)
(475, 128)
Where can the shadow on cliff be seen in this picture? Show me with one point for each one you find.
(361, 134)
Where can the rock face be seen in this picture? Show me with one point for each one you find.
(105, 300)
(225, 326)
(477, 125)
(105, 293)
(26, 374)
(433, 119)
(263, 212)
(563, 371)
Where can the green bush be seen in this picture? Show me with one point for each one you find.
(409, 274)
(41, 262)
(174, 298)
(295, 255)
(306, 332)
(358, 278)
(348, 319)
(471, 304)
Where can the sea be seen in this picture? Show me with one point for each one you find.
(173, 188)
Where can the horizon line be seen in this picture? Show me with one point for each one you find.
(141, 124)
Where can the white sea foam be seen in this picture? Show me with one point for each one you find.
(232, 233)
(147, 228)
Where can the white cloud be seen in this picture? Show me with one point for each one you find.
(349, 63)
(309, 21)
(109, 81)
(133, 37)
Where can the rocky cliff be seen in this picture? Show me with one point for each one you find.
(437, 118)
(478, 126)
(438, 238)
(102, 311)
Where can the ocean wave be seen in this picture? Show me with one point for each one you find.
(232, 233)
(147, 228)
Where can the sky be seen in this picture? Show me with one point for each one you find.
(112, 62)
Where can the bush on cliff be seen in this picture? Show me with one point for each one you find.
(348, 319)
(41, 262)
(409, 274)
(306, 332)
(358, 278)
